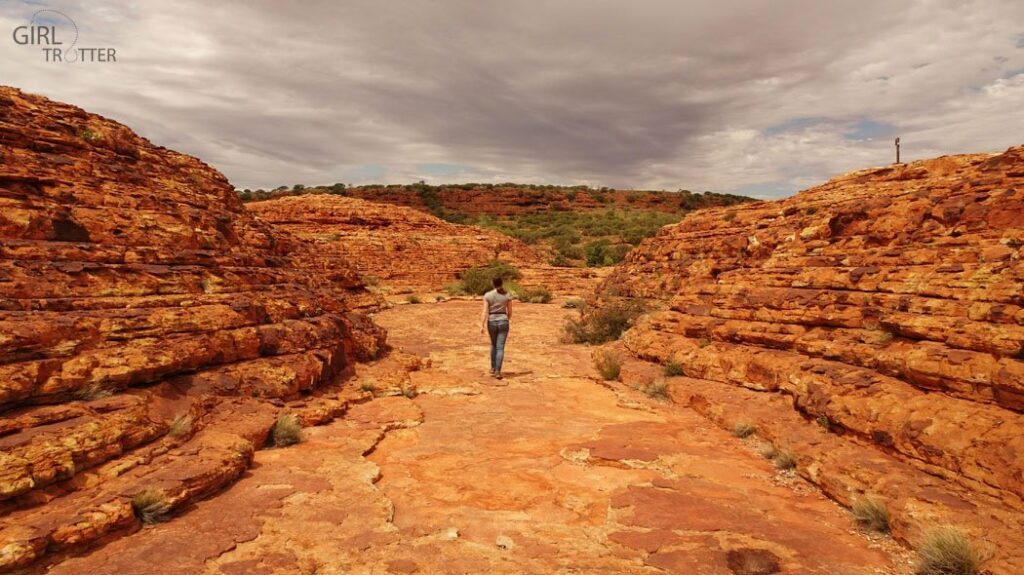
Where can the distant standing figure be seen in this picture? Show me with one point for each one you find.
(496, 315)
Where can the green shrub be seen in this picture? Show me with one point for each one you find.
(608, 364)
(673, 368)
(413, 298)
(454, 288)
(871, 514)
(151, 505)
(287, 431)
(601, 325)
(477, 280)
(946, 550)
(573, 303)
(743, 430)
(538, 294)
(603, 253)
(90, 135)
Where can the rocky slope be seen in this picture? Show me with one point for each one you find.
(405, 249)
(544, 472)
(887, 305)
(151, 329)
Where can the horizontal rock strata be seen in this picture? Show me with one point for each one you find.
(887, 302)
(404, 249)
(150, 327)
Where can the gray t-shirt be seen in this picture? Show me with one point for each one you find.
(497, 304)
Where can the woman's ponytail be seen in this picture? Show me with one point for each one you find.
(496, 282)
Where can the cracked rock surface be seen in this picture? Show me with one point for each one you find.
(545, 471)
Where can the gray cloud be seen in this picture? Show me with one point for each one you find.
(751, 96)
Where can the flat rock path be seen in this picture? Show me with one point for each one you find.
(548, 471)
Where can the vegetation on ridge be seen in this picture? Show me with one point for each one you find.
(573, 225)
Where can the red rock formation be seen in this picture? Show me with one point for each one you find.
(406, 249)
(146, 318)
(888, 302)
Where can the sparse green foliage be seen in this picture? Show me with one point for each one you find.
(946, 550)
(409, 391)
(151, 505)
(673, 368)
(573, 303)
(767, 451)
(657, 390)
(811, 211)
(871, 514)
(601, 325)
(287, 430)
(608, 364)
(603, 253)
(704, 342)
(539, 294)
(90, 135)
(413, 298)
(477, 280)
(743, 429)
(368, 386)
(454, 289)
(825, 422)
(785, 460)
(729, 216)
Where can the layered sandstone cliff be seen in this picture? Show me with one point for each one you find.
(406, 249)
(149, 326)
(887, 305)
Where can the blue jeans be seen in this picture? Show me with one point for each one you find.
(498, 330)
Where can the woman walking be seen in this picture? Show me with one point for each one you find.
(497, 312)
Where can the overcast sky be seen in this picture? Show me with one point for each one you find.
(763, 98)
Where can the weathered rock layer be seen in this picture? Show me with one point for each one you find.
(406, 249)
(145, 320)
(888, 303)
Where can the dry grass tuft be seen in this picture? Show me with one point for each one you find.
(784, 460)
(946, 550)
(657, 390)
(151, 505)
(92, 392)
(608, 364)
(743, 429)
(181, 426)
(287, 431)
(673, 368)
(871, 514)
(767, 451)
